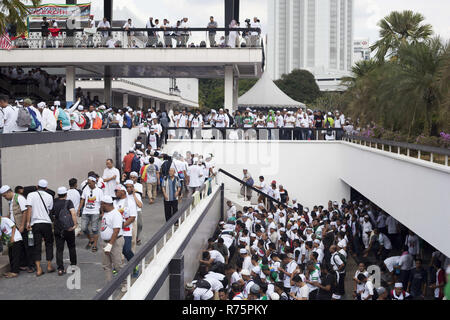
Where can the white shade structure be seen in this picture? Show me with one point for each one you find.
(265, 93)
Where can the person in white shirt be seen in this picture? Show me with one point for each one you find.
(127, 26)
(195, 174)
(111, 43)
(111, 178)
(112, 235)
(126, 204)
(368, 289)
(39, 204)
(231, 211)
(412, 241)
(220, 120)
(91, 199)
(103, 26)
(13, 238)
(48, 118)
(254, 35)
(299, 289)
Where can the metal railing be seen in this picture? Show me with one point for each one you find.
(426, 153)
(137, 38)
(316, 134)
(150, 250)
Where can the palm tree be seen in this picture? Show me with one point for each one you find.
(359, 70)
(14, 12)
(400, 28)
(418, 78)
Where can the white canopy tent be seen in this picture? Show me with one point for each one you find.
(265, 93)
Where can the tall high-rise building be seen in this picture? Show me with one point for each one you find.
(361, 50)
(316, 35)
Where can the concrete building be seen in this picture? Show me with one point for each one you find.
(361, 50)
(313, 35)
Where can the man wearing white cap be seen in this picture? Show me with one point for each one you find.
(90, 202)
(398, 293)
(18, 214)
(64, 229)
(39, 204)
(13, 239)
(112, 235)
(48, 120)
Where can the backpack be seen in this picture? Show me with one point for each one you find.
(35, 123)
(65, 220)
(23, 118)
(136, 164)
(166, 167)
(87, 124)
(203, 284)
(128, 122)
(97, 124)
(344, 260)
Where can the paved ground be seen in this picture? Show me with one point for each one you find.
(51, 286)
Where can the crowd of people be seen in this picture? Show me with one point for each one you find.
(280, 250)
(50, 85)
(51, 34)
(106, 208)
(25, 115)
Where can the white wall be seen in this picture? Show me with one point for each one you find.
(414, 191)
(128, 138)
(307, 170)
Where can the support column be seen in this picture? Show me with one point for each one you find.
(140, 103)
(176, 278)
(108, 10)
(152, 104)
(235, 94)
(229, 88)
(157, 105)
(107, 95)
(125, 100)
(70, 86)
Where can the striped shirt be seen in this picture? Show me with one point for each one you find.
(171, 186)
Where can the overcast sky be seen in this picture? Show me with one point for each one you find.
(367, 12)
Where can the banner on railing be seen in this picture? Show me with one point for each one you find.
(60, 12)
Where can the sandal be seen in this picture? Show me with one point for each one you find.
(89, 245)
(94, 249)
(39, 274)
(10, 275)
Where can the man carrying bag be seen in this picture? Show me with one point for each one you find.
(65, 222)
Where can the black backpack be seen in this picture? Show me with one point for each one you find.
(64, 219)
(203, 284)
(166, 167)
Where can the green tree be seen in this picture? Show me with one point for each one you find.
(15, 12)
(399, 28)
(359, 70)
(300, 85)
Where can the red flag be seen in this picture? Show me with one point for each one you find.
(5, 42)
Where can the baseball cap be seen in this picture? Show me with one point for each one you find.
(43, 183)
(62, 190)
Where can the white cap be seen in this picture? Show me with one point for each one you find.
(242, 251)
(4, 189)
(134, 174)
(120, 187)
(253, 235)
(274, 296)
(245, 272)
(272, 226)
(57, 103)
(62, 190)
(93, 179)
(131, 150)
(256, 269)
(335, 203)
(43, 183)
(306, 209)
(129, 182)
(282, 230)
(80, 108)
(398, 285)
(242, 239)
(102, 107)
(107, 199)
(41, 105)
(329, 113)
